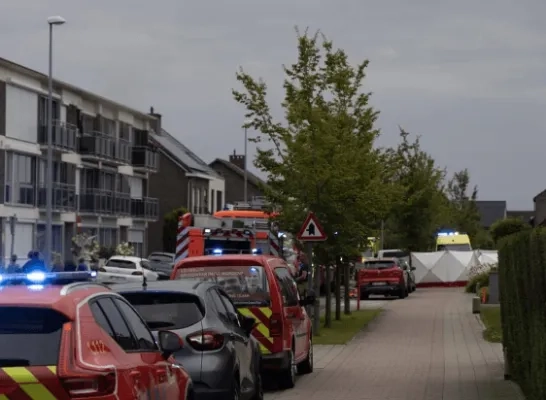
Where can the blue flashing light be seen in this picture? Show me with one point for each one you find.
(257, 251)
(217, 252)
(447, 233)
(36, 277)
(253, 270)
(36, 280)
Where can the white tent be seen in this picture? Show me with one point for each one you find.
(443, 267)
(488, 256)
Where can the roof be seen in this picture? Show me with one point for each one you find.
(51, 296)
(181, 154)
(182, 285)
(252, 178)
(491, 211)
(524, 215)
(77, 90)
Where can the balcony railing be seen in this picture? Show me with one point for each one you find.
(146, 208)
(99, 145)
(64, 197)
(64, 136)
(20, 193)
(122, 204)
(145, 157)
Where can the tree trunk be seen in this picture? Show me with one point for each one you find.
(346, 294)
(338, 290)
(328, 284)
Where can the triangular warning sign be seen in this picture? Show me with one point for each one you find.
(311, 230)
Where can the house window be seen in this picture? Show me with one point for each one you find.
(62, 173)
(20, 179)
(125, 131)
(57, 238)
(108, 237)
(108, 126)
(219, 200)
(42, 110)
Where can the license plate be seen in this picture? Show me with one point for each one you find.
(379, 283)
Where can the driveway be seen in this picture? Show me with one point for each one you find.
(428, 346)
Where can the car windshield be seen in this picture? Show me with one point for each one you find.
(379, 264)
(30, 336)
(454, 247)
(244, 284)
(166, 310)
(162, 258)
(395, 254)
(120, 264)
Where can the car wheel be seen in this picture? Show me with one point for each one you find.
(258, 387)
(235, 389)
(306, 366)
(288, 376)
(402, 293)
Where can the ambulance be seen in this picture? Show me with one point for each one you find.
(454, 241)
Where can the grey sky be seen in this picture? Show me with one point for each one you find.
(468, 76)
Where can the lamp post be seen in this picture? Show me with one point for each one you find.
(245, 187)
(55, 20)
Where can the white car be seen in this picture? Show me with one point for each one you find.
(128, 265)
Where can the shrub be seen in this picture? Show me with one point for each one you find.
(481, 279)
(506, 227)
(522, 281)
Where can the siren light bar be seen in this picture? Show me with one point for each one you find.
(41, 278)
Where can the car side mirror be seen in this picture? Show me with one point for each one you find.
(169, 343)
(412, 268)
(247, 324)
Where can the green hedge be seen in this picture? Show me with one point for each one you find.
(481, 279)
(522, 273)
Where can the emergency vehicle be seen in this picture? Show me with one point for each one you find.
(64, 336)
(240, 231)
(262, 287)
(454, 241)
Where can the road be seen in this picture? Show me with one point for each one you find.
(426, 347)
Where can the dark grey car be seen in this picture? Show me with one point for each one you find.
(219, 353)
(162, 263)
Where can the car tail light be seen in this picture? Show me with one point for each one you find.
(137, 273)
(79, 383)
(86, 386)
(206, 340)
(275, 325)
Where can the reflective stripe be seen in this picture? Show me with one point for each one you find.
(266, 342)
(3, 397)
(29, 384)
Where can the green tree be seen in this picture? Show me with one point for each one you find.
(507, 227)
(464, 211)
(170, 226)
(421, 206)
(323, 157)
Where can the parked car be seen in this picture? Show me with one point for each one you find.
(412, 286)
(220, 355)
(67, 337)
(129, 265)
(162, 263)
(383, 276)
(263, 288)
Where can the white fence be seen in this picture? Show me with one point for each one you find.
(449, 267)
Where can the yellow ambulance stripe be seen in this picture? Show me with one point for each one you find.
(263, 350)
(264, 330)
(28, 383)
(3, 397)
(53, 369)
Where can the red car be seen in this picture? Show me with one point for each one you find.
(65, 337)
(383, 276)
(263, 288)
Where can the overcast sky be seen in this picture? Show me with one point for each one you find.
(469, 76)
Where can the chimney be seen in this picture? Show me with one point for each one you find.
(237, 160)
(156, 125)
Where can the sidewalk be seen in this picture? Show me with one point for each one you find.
(426, 347)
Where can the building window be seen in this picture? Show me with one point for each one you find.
(125, 131)
(219, 200)
(20, 179)
(108, 126)
(57, 238)
(62, 172)
(42, 110)
(108, 237)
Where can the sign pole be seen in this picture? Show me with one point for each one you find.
(311, 231)
(309, 256)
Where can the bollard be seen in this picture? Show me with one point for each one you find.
(476, 302)
(507, 376)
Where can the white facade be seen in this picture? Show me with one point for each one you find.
(217, 189)
(21, 153)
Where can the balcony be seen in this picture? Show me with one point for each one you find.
(64, 197)
(64, 136)
(105, 202)
(100, 146)
(146, 158)
(20, 193)
(145, 208)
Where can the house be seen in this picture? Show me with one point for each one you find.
(102, 164)
(525, 216)
(183, 180)
(491, 211)
(233, 172)
(539, 202)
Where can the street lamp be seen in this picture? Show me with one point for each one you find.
(246, 123)
(54, 20)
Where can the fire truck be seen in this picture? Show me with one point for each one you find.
(239, 231)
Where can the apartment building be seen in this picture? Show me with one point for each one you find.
(102, 164)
